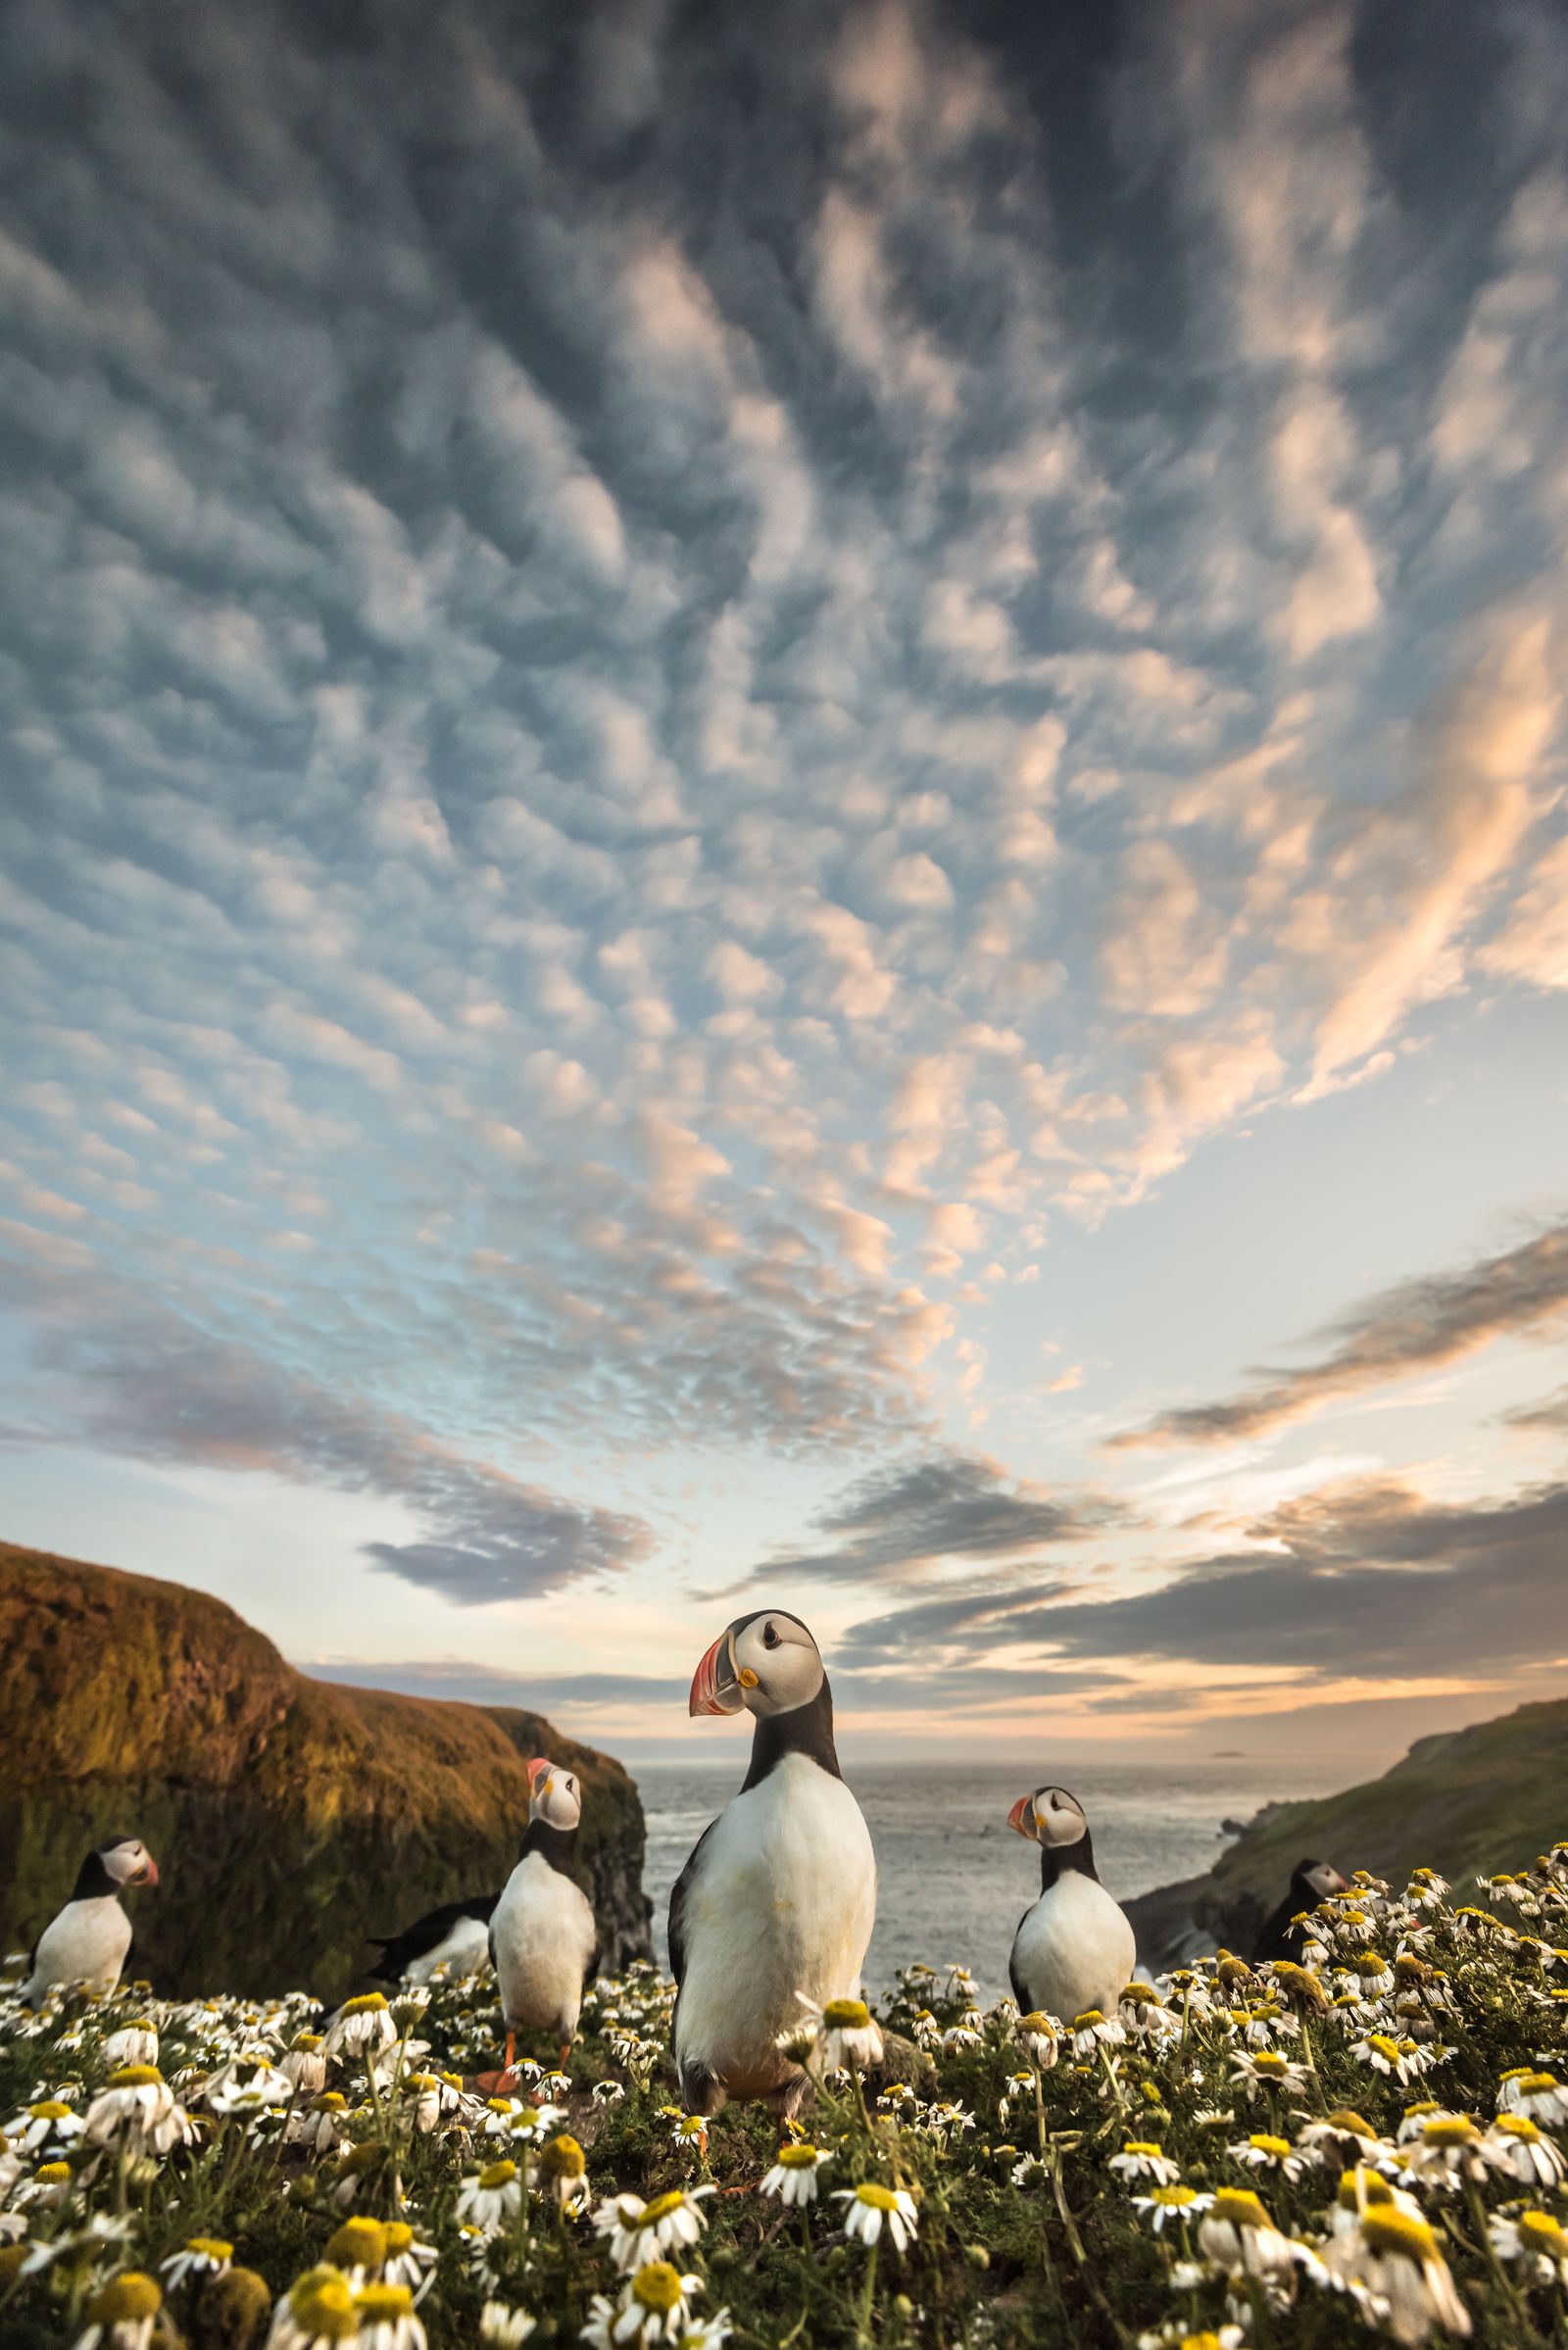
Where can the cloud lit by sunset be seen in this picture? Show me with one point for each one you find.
(785, 816)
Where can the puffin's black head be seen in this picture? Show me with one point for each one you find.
(1315, 1880)
(1049, 1817)
(766, 1663)
(128, 1861)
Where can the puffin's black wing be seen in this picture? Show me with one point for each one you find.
(1020, 1990)
(400, 1951)
(680, 1892)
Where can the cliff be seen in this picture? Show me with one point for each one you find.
(290, 1818)
(1468, 1802)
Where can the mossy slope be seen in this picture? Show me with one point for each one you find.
(1466, 1802)
(290, 1817)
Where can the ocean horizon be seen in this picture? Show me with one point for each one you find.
(953, 1880)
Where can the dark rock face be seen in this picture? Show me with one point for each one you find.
(290, 1817)
(1465, 1802)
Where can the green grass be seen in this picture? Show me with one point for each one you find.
(1025, 2232)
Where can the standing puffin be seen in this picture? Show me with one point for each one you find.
(90, 1939)
(779, 1895)
(1311, 1882)
(456, 1935)
(1074, 1950)
(544, 1943)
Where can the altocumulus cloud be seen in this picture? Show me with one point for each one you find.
(672, 674)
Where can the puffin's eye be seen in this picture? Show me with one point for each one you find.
(769, 1637)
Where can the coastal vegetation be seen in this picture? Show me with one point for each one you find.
(1364, 2146)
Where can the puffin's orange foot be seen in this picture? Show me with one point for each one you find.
(498, 2085)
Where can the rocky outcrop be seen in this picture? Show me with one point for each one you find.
(1468, 1802)
(290, 1817)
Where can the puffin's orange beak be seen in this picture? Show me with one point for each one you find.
(536, 1771)
(1341, 1884)
(149, 1875)
(715, 1687)
(1021, 1818)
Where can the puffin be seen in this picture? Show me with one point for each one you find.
(90, 1939)
(544, 1944)
(774, 1908)
(1312, 1882)
(1074, 1948)
(456, 1935)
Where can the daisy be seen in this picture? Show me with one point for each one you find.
(1516, 2145)
(1534, 2237)
(359, 2245)
(689, 2129)
(51, 2119)
(608, 2092)
(364, 2023)
(121, 2314)
(1140, 2158)
(199, 2256)
(1403, 2059)
(1449, 2147)
(386, 2318)
(869, 2207)
(132, 2044)
(248, 2086)
(1395, 2258)
(640, 2231)
(528, 2124)
(1173, 2202)
(138, 2106)
(793, 2175)
(653, 2308)
(1267, 2068)
(1092, 2030)
(1040, 2035)
(317, 2314)
(492, 2196)
(845, 2033)
(1237, 2232)
(304, 2064)
(505, 2328)
(1540, 2095)
(408, 2261)
(1260, 2152)
(320, 2128)
(564, 2174)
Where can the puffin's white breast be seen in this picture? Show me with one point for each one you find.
(544, 1938)
(1075, 1948)
(464, 1948)
(783, 1901)
(86, 1942)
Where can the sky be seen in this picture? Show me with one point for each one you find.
(783, 822)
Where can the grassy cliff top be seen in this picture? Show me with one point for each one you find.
(292, 1817)
(1466, 1802)
(104, 1673)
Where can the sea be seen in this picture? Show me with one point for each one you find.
(952, 1880)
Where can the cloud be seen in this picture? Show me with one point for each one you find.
(899, 1523)
(1419, 1325)
(1370, 1579)
(124, 1373)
